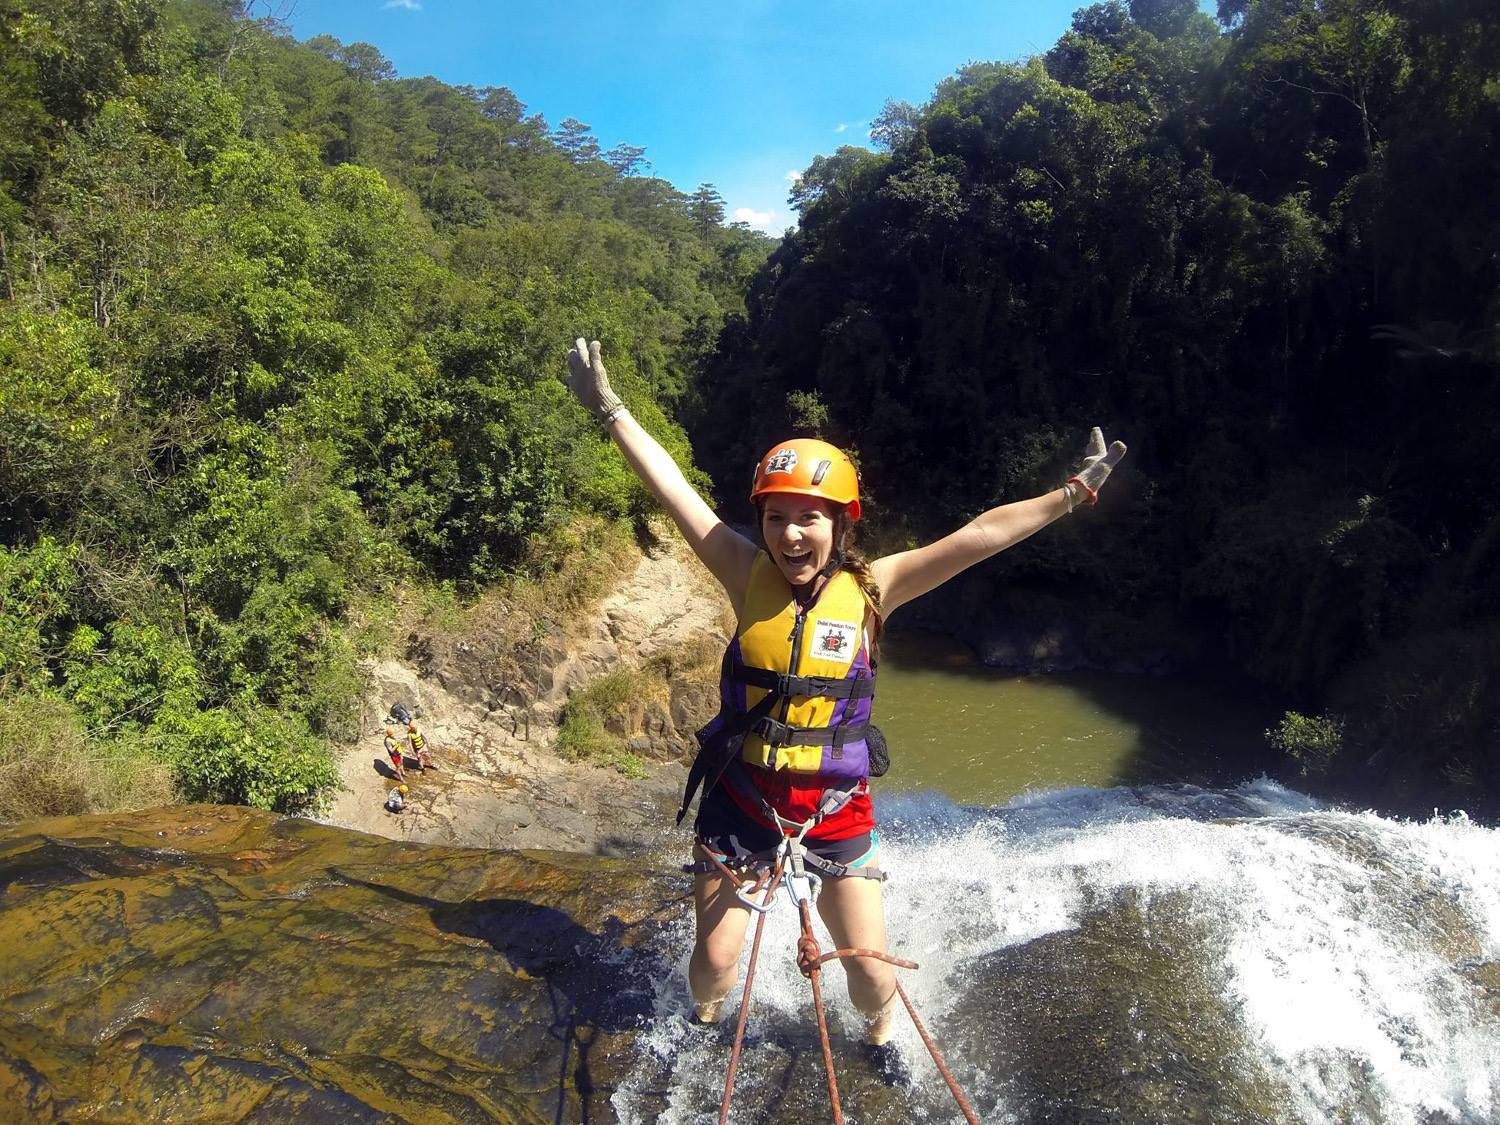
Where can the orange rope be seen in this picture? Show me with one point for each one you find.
(963, 1102)
(739, 1029)
(886, 957)
(810, 960)
(812, 966)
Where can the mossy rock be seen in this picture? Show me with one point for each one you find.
(219, 963)
(1121, 1020)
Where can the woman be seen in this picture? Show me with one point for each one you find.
(786, 750)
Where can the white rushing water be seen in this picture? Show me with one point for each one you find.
(1349, 945)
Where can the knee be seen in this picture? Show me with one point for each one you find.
(869, 977)
(867, 970)
(717, 953)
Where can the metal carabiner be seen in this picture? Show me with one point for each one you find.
(743, 893)
(803, 885)
(804, 888)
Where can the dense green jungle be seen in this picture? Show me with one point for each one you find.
(281, 331)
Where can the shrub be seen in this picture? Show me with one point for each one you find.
(583, 738)
(1313, 742)
(583, 735)
(630, 765)
(36, 585)
(49, 769)
(237, 757)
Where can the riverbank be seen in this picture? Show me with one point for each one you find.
(510, 776)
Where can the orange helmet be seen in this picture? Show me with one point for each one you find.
(808, 467)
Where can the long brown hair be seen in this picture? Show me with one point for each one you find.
(858, 567)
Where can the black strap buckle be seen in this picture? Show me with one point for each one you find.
(775, 733)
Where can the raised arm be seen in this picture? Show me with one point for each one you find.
(727, 554)
(910, 574)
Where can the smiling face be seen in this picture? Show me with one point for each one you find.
(798, 532)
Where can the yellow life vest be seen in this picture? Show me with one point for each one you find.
(817, 728)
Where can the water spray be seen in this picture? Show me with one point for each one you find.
(802, 888)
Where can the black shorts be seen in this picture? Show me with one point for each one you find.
(726, 830)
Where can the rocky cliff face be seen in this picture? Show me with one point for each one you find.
(493, 718)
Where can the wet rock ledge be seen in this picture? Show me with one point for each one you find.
(212, 963)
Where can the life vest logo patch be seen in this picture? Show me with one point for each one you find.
(835, 641)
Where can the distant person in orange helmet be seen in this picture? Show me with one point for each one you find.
(792, 747)
(393, 751)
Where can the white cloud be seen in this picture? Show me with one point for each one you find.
(759, 220)
(792, 176)
(405, 5)
(843, 125)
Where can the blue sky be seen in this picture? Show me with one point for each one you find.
(742, 95)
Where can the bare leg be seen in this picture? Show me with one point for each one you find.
(722, 921)
(853, 909)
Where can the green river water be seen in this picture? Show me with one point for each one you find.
(982, 736)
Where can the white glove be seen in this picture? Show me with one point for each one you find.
(1098, 463)
(588, 380)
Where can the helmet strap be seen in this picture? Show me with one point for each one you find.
(836, 556)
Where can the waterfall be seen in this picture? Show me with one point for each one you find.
(1137, 954)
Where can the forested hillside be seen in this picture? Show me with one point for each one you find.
(279, 331)
(1263, 251)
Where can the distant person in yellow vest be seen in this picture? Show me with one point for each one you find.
(792, 748)
(393, 751)
(418, 743)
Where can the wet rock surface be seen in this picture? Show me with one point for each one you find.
(1121, 1020)
(213, 963)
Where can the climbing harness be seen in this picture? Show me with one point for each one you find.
(791, 869)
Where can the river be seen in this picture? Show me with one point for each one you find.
(983, 736)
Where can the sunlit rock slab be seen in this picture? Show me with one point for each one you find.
(211, 963)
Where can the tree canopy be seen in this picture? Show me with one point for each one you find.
(1266, 253)
(279, 329)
